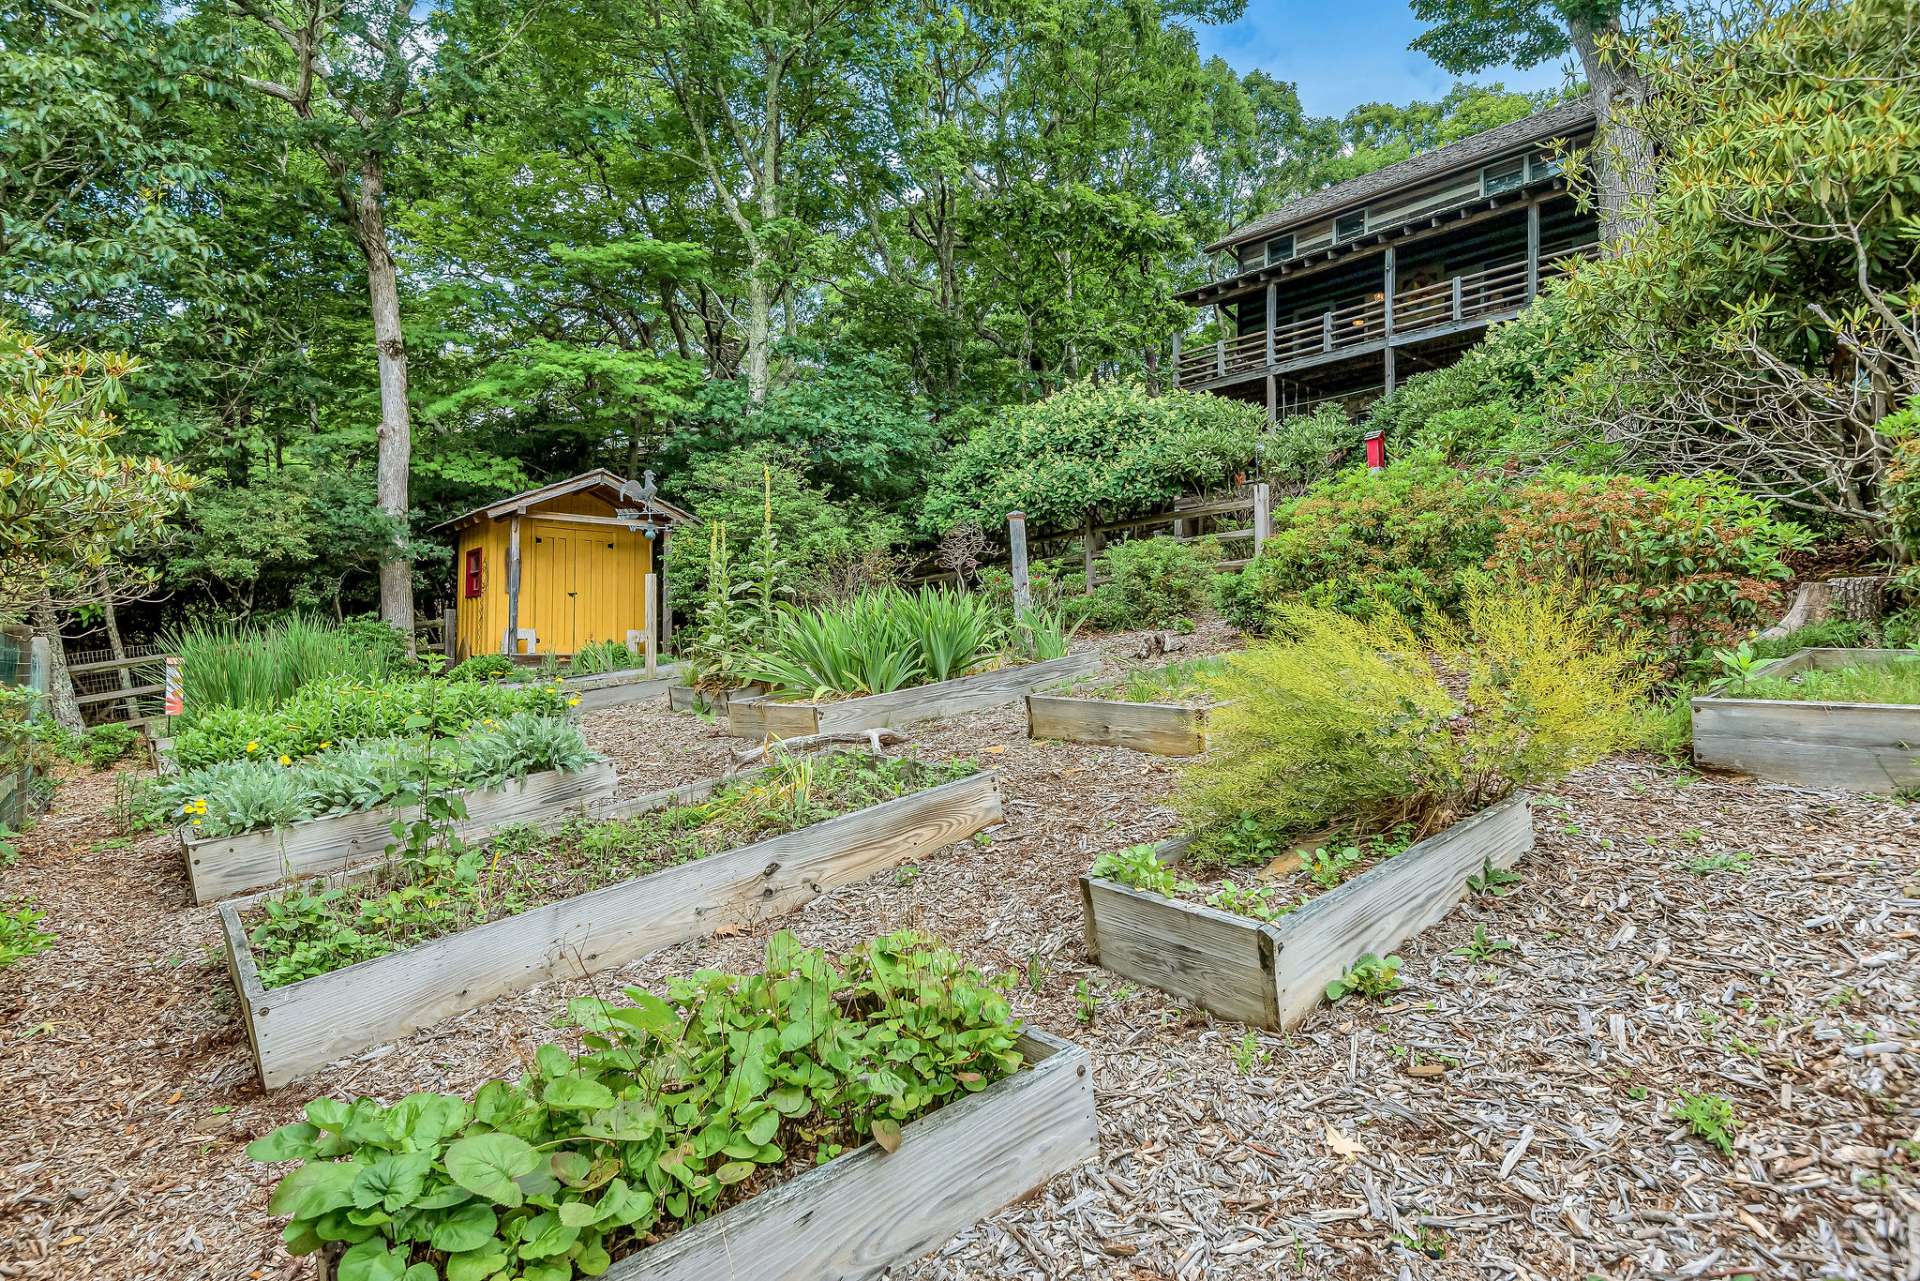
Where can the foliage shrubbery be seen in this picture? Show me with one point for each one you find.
(326, 712)
(1110, 447)
(1406, 537)
(1349, 722)
(831, 548)
(259, 791)
(1154, 582)
(482, 667)
(1687, 562)
(672, 1102)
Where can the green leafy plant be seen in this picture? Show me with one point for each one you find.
(1494, 882)
(1136, 867)
(435, 885)
(1248, 1054)
(1710, 1117)
(1482, 947)
(20, 933)
(876, 642)
(103, 745)
(1731, 861)
(671, 1103)
(225, 664)
(1260, 903)
(482, 667)
(1896, 681)
(330, 712)
(596, 658)
(1371, 976)
(258, 792)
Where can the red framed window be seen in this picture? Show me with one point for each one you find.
(473, 573)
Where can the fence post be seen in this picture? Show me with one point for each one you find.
(1262, 516)
(1088, 549)
(1017, 557)
(447, 632)
(1326, 331)
(653, 627)
(1459, 307)
(1176, 362)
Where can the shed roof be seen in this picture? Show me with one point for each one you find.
(615, 489)
(1574, 116)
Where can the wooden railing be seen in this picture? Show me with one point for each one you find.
(1469, 296)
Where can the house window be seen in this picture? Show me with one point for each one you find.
(1279, 249)
(1508, 175)
(1542, 164)
(473, 573)
(1349, 225)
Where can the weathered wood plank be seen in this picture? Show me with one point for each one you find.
(760, 718)
(1861, 747)
(1389, 904)
(1275, 974)
(1162, 729)
(1220, 962)
(223, 865)
(858, 1215)
(868, 1210)
(301, 1026)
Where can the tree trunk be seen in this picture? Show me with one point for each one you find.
(1622, 156)
(60, 695)
(396, 434)
(759, 330)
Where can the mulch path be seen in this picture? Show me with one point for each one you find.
(1782, 974)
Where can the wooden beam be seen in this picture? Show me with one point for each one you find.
(1017, 553)
(1176, 361)
(1273, 314)
(1262, 511)
(1390, 276)
(1533, 250)
(510, 643)
(653, 627)
(1089, 548)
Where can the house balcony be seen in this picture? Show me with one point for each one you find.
(1467, 301)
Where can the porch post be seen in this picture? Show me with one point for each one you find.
(1272, 398)
(1533, 250)
(1273, 314)
(1176, 360)
(1389, 274)
(510, 643)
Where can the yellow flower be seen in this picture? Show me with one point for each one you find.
(326, 742)
(187, 808)
(253, 746)
(200, 806)
(574, 701)
(196, 822)
(285, 759)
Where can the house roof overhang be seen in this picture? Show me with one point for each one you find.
(623, 494)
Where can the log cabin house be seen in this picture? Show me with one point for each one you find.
(554, 568)
(1341, 293)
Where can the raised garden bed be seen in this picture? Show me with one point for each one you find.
(616, 689)
(1160, 710)
(685, 698)
(1850, 746)
(868, 1210)
(221, 865)
(1273, 974)
(302, 1025)
(763, 716)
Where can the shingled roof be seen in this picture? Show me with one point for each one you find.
(1574, 116)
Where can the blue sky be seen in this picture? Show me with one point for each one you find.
(1345, 53)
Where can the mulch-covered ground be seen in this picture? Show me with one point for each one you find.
(1498, 1117)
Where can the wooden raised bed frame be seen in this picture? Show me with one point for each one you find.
(1274, 974)
(1856, 747)
(1161, 729)
(618, 688)
(760, 717)
(868, 1210)
(221, 865)
(306, 1024)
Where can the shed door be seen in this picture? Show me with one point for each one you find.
(585, 584)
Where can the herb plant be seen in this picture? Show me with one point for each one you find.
(1371, 976)
(1137, 867)
(20, 933)
(1711, 1119)
(673, 1107)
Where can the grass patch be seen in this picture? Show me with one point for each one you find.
(228, 664)
(303, 932)
(1185, 681)
(1897, 681)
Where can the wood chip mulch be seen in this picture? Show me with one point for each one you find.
(1506, 1117)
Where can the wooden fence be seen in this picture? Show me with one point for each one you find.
(128, 688)
(1240, 519)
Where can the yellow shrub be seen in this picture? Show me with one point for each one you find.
(1368, 724)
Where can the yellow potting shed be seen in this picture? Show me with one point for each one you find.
(554, 568)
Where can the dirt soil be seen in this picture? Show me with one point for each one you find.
(1502, 1117)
